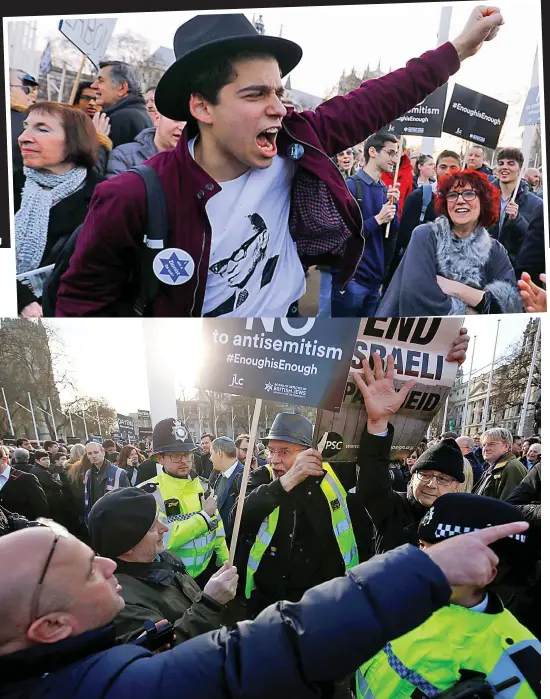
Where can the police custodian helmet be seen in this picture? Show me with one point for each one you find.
(171, 435)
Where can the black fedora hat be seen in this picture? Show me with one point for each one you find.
(214, 35)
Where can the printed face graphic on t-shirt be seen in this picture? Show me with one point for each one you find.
(238, 268)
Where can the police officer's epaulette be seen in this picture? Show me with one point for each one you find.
(149, 487)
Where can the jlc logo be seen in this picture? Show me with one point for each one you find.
(237, 381)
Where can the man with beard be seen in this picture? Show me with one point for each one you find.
(379, 207)
(226, 83)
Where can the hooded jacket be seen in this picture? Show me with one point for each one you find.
(128, 118)
(325, 220)
(479, 261)
(128, 155)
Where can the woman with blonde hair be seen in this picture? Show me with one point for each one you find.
(76, 453)
(75, 474)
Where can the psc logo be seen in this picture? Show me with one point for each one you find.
(333, 445)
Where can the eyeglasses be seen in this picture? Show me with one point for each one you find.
(58, 531)
(87, 98)
(27, 89)
(179, 457)
(467, 195)
(391, 153)
(428, 477)
(281, 453)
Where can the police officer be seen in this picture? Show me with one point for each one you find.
(185, 505)
(296, 529)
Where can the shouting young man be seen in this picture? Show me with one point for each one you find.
(252, 194)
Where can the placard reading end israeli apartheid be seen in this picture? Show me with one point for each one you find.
(426, 119)
(302, 361)
(419, 347)
(475, 117)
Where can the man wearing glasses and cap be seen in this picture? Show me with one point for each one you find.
(23, 93)
(185, 505)
(249, 164)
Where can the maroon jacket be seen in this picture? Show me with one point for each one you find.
(325, 219)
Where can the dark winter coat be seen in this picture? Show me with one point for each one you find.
(513, 233)
(478, 261)
(325, 222)
(227, 492)
(23, 495)
(324, 637)
(477, 467)
(531, 257)
(528, 497)
(65, 216)
(52, 486)
(163, 590)
(18, 115)
(127, 155)
(303, 551)
(395, 515)
(128, 117)
(146, 470)
(500, 481)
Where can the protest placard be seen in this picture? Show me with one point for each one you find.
(426, 119)
(419, 347)
(90, 36)
(531, 109)
(475, 117)
(303, 361)
(144, 415)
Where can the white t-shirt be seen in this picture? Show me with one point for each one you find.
(254, 268)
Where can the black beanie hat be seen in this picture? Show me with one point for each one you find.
(445, 457)
(120, 519)
(459, 513)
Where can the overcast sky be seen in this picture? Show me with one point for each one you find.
(339, 38)
(106, 357)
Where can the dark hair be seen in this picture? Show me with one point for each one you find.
(83, 85)
(532, 440)
(489, 195)
(449, 435)
(49, 443)
(123, 73)
(58, 455)
(240, 439)
(517, 437)
(510, 154)
(81, 142)
(142, 446)
(108, 443)
(125, 454)
(20, 441)
(448, 154)
(39, 454)
(210, 435)
(217, 71)
(420, 161)
(377, 141)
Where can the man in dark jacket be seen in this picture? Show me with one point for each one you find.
(516, 216)
(64, 644)
(21, 492)
(124, 526)
(227, 479)
(253, 263)
(466, 445)
(119, 94)
(206, 466)
(379, 207)
(165, 134)
(475, 160)
(439, 470)
(21, 460)
(447, 163)
(102, 476)
(52, 485)
(531, 256)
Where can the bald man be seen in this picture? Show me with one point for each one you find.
(466, 445)
(534, 180)
(56, 639)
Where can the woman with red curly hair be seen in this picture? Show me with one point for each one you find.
(453, 266)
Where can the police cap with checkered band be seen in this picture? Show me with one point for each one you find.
(459, 513)
(170, 435)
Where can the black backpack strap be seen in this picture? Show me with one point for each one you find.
(358, 190)
(154, 239)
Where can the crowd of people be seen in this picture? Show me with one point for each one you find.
(452, 237)
(139, 560)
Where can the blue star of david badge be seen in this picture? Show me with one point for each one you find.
(173, 266)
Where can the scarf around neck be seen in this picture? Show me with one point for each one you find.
(42, 190)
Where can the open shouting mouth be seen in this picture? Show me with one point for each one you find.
(265, 141)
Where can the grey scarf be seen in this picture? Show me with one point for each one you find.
(41, 191)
